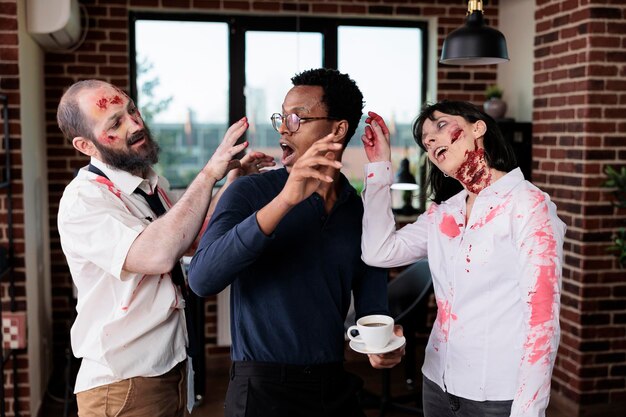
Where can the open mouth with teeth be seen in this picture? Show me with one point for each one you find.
(440, 152)
(288, 154)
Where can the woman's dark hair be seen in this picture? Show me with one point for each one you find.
(498, 151)
(342, 96)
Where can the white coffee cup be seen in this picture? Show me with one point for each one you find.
(375, 331)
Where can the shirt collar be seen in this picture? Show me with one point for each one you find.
(125, 181)
(347, 189)
(504, 185)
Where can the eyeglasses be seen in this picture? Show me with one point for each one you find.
(292, 121)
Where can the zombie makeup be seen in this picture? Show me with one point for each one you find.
(107, 138)
(103, 102)
(134, 160)
(474, 173)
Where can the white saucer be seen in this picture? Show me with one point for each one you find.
(395, 343)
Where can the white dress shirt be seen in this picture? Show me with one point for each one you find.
(497, 281)
(127, 324)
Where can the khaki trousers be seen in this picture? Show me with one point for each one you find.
(159, 396)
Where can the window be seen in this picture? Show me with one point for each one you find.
(268, 78)
(196, 74)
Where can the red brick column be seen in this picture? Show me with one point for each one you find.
(10, 86)
(580, 128)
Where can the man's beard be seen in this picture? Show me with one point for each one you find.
(131, 160)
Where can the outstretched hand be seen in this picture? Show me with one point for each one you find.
(376, 139)
(222, 160)
(251, 163)
(317, 165)
(390, 359)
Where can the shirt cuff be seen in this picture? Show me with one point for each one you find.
(379, 173)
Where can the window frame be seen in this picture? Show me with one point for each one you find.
(239, 24)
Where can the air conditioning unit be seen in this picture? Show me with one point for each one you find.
(54, 24)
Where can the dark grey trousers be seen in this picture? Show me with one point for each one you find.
(438, 403)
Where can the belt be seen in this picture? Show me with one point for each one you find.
(285, 371)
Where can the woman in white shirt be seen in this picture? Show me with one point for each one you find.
(495, 252)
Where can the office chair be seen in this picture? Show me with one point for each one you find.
(408, 295)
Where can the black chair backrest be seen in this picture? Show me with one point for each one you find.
(408, 293)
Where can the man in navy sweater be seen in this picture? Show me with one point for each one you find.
(288, 243)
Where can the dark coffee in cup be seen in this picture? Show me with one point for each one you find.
(375, 331)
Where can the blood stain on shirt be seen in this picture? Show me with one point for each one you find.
(540, 348)
(544, 292)
(110, 186)
(547, 280)
(449, 226)
(444, 316)
(490, 216)
(132, 296)
(371, 175)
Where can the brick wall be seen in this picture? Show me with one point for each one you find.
(579, 128)
(105, 55)
(9, 86)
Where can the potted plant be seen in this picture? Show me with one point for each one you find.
(617, 180)
(494, 106)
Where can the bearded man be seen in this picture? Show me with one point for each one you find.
(123, 239)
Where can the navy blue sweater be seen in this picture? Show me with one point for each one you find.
(290, 292)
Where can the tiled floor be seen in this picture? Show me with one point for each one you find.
(217, 381)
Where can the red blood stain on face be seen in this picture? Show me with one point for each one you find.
(455, 135)
(371, 175)
(106, 138)
(102, 103)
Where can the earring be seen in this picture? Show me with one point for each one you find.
(445, 175)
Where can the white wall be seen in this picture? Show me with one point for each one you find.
(517, 23)
(36, 230)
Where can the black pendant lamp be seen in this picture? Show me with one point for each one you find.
(474, 43)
